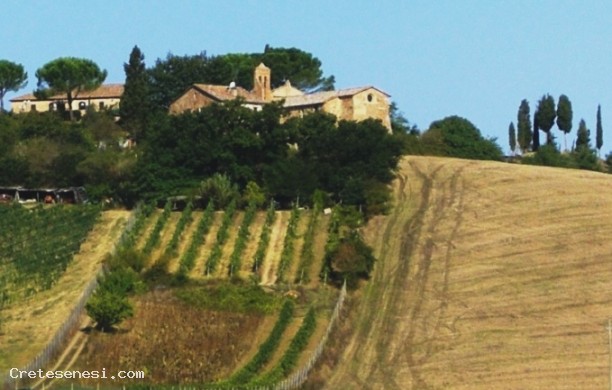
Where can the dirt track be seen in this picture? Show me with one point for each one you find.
(477, 285)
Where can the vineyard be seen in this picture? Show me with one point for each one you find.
(274, 247)
(36, 246)
(187, 334)
(49, 257)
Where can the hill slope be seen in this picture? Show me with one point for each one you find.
(490, 276)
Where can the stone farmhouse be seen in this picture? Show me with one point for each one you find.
(355, 104)
(107, 96)
(349, 104)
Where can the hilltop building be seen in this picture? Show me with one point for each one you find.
(107, 96)
(349, 104)
(355, 104)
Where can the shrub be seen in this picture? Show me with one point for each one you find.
(549, 155)
(457, 137)
(351, 259)
(220, 189)
(108, 309)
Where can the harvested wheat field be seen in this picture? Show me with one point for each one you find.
(489, 276)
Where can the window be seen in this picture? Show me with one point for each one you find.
(82, 105)
(51, 106)
(370, 97)
(101, 105)
(33, 107)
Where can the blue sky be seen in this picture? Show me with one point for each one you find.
(477, 59)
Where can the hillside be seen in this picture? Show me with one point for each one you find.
(489, 276)
(31, 324)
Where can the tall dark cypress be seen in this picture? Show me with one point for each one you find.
(135, 107)
(599, 135)
(536, 132)
(524, 127)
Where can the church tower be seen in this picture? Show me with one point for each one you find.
(261, 82)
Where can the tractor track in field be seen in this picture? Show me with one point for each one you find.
(397, 320)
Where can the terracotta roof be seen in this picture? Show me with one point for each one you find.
(223, 93)
(318, 98)
(105, 91)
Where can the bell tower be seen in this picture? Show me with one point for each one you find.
(261, 82)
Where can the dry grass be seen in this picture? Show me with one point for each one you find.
(278, 232)
(490, 276)
(31, 326)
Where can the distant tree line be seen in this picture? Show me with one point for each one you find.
(351, 163)
(526, 139)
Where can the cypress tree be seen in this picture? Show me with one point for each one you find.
(512, 137)
(524, 126)
(564, 117)
(546, 116)
(536, 132)
(583, 136)
(599, 134)
(135, 105)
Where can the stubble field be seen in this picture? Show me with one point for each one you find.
(489, 276)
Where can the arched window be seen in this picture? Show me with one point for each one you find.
(82, 105)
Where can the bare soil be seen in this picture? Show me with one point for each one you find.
(320, 239)
(251, 248)
(228, 247)
(185, 241)
(277, 237)
(174, 343)
(489, 276)
(199, 271)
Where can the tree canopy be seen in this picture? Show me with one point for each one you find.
(69, 75)
(171, 76)
(135, 106)
(583, 136)
(302, 68)
(12, 78)
(458, 137)
(512, 137)
(599, 133)
(546, 116)
(564, 116)
(524, 126)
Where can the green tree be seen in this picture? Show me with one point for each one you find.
(458, 137)
(583, 137)
(171, 76)
(135, 105)
(599, 133)
(219, 189)
(512, 137)
(546, 116)
(108, 309)
(524, 127)
(536, 132)
(12, 78)
(253, 194)
(351, 259)
(300, 67)
(69, 75)
(564, 117)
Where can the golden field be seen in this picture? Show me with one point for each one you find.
(489, 276)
